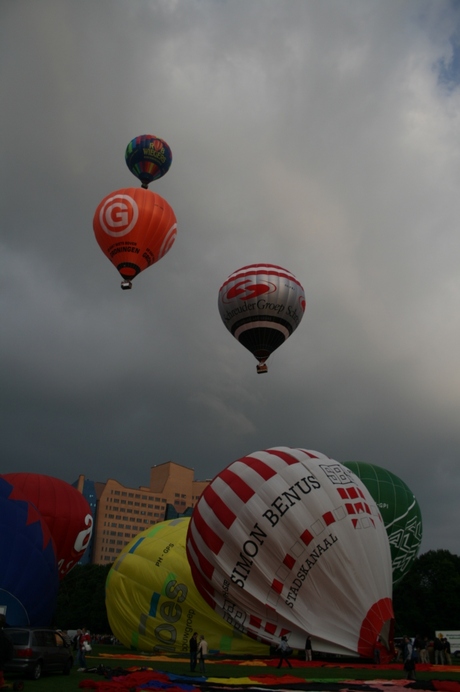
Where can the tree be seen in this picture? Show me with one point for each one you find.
(428, 597)
(81, 599)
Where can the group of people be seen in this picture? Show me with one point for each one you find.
(435, 651)
(442, 651)
(418, 651)
(198, 651)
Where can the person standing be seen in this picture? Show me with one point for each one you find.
(202, 652)
(76, 646)
(438, 651)
(377, 659)
(423, 654)
(447, 652)
(83, 643)
(308, 649)
(285, 651)
(193, 646)
(408, 657)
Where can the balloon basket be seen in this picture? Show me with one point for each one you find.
(262, 368)
(126, 285)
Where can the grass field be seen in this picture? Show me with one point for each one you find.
(222, 669)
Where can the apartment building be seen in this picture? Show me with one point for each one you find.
(120, 513)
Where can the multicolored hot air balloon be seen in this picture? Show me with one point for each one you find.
(29, 579)
(148, 158)
(287, 541)
(65, 511)
(261, 305)
(134, 228)
(152, 602)
(400, 513)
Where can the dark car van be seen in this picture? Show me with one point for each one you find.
(38, 650)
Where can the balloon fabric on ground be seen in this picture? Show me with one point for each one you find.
(261, 305)
(29, 579)
(65, 511)
(400, 513)
(134, 228)
(153, 604)
(148, 158)
(288, 541)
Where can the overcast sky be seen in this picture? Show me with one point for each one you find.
(319, 135)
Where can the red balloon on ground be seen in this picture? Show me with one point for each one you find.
(65, 511)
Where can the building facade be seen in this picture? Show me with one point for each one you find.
(120, 513)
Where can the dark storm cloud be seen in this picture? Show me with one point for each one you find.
(312, 135)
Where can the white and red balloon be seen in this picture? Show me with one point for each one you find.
(288, 541)
(261, 305)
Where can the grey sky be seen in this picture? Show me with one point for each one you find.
(318, 135)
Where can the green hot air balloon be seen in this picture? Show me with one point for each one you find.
(400, 513)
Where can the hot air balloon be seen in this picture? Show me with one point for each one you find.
(152, 602)
(287, 541)
(134, 228)
(148, 158)
(261, 305)
(400, 513)
(65, 511)
(28, 570)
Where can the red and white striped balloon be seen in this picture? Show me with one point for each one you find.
(288, 541)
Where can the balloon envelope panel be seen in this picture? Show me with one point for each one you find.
(65, 511)
(400, 512)
(261, 305)
(148, 158)
(134, 228)
(28, 571)
(287, 541)
(153, 604)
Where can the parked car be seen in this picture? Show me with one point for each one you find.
(37, 651)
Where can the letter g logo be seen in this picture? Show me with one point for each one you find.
(118, 215)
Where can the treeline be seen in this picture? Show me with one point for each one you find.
(81, 600)
(427, 599)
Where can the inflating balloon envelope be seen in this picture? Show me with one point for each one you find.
(65, 511)
(153, 604)
(261, 305)
(400, 513)
(29, 579)
(288, 542)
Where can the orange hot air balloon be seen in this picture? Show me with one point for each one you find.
(134, 228)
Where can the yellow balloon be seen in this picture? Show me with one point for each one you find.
(153, 604)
